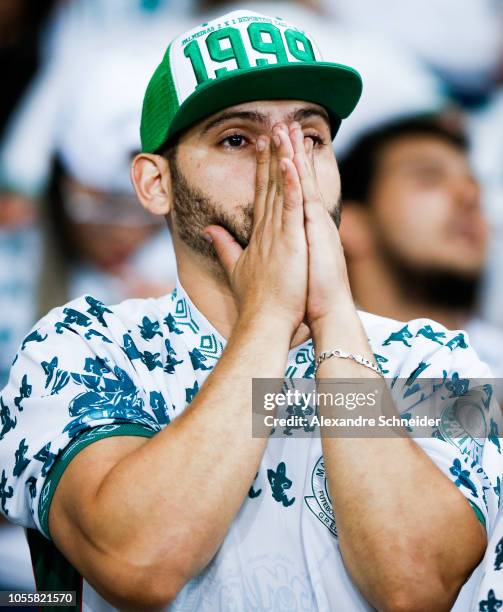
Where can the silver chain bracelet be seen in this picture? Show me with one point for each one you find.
(343, 355)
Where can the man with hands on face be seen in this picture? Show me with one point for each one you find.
(145, 488)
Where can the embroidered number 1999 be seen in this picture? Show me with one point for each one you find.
(265, 38)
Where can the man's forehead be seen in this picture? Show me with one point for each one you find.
(419, 148)
(422, 144)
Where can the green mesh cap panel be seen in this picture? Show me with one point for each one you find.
(160, 106)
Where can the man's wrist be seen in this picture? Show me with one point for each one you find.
(342, 316)
(267, 322)
(344, 331)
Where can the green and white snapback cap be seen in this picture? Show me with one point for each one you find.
(241, 57)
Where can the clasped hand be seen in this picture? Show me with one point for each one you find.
(293, 266)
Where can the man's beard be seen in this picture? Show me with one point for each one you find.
(435, 286)
(194, 211)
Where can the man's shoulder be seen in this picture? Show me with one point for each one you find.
(423, 327)
(420, 340)
(89, 316)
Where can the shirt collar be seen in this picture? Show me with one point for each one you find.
(200, 334)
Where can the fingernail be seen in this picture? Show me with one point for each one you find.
(277, 140)
(261, 144)
(207, 237)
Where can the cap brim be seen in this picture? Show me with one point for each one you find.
(335, 87)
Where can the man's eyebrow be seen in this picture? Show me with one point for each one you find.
(253, 116)
(302, 114)
(299, 115)
(416, 162)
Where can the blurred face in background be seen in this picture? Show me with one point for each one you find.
(106, 229)
(425, 207)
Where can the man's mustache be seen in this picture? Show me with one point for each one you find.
(243, 237)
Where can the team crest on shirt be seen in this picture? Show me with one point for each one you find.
(319, 502)
(463, 421)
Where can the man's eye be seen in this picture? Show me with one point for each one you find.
(317, 140)
(429, 176)
(234, 141)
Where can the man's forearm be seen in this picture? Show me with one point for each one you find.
(191, 479)
(397, 515)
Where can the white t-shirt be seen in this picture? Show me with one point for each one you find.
(88, 371)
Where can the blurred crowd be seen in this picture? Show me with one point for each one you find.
(420, 159)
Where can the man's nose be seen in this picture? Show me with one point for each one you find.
(467, 192)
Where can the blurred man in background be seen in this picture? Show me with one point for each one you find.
(414, 232)
(95, 236)
(99, 238)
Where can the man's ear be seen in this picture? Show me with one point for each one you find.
(151, 180)
(355, 230)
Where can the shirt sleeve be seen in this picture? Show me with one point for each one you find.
(69, 385)
(454, 387)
